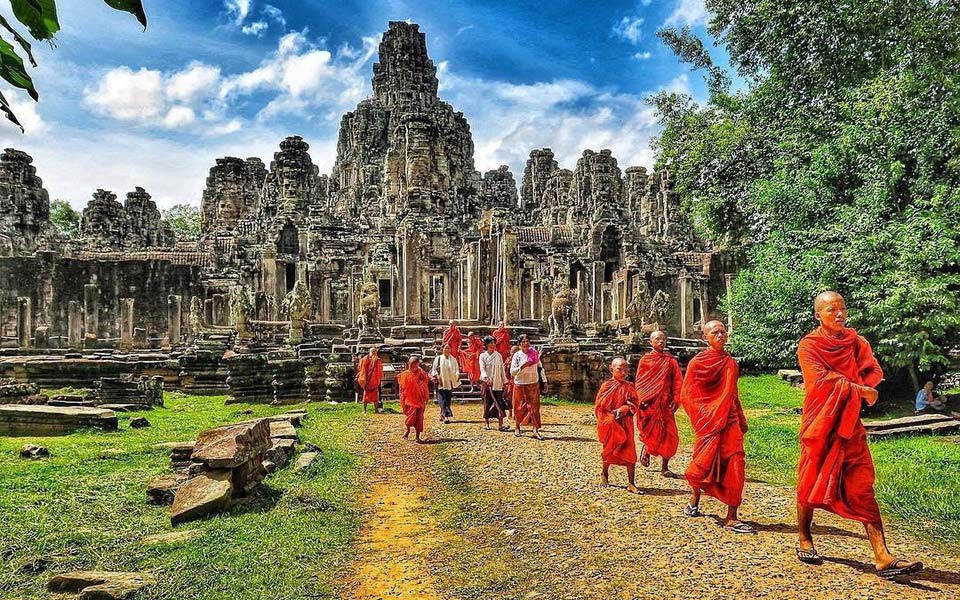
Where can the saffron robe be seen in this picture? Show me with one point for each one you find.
(453, 337)
(709, 397)
(836, 470)
(414, 387)
(369, 376)
(502, 336)
(471, 358)
(616, 435)
(658, 383)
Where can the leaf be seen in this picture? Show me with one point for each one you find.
(40, 17)
(20, 39)
(8, 112)
(13, 71)
(134, 7)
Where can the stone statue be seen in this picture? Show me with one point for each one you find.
(370, 311)
(241, 307)
(298, 306)
(560, 314)
(196, 317)
(660, 306)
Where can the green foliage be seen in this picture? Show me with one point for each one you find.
(837, 168)
(40, 19)
(185, 220)
(65, 218)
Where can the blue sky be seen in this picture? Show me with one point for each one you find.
(122, 107)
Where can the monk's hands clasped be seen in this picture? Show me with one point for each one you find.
(869, 395)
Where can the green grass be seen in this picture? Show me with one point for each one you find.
(85, 508)
(918, 477)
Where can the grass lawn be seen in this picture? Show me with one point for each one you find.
(918, 477)
(85, 508)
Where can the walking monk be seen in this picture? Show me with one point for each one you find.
(709, 397)
(453, 337)
(502, 336)
(414, 387)
(369, 376)
(658, 384)
(471, 358)
(836, 469)
(614, 407)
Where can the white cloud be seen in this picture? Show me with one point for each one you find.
(178, 116)
(688, 12)
(629, 29)
(26, 112)
(129, 95)
(237, 10)
(274, 14)
(642, 55)
(196, 81)
(256, 28)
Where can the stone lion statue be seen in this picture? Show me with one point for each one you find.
(370, 310)
(560, 311)
(298, 307)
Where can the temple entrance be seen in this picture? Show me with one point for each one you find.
(290, 276)
(610, 244)
(435, 309)
(385, 291)
(289, 240)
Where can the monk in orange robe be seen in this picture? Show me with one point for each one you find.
(615, 404)
(453, 337)
(471, 358)
(836, 470)
(502, 336)
(369, 376)
(414, 388)
(709, 397)
(658, 384)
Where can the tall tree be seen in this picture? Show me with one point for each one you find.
(184, 219)
(65, 218)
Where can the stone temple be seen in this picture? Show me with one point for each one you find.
(297, 269)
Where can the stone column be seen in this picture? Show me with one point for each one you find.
(74, 325)
(126, 324)
(685, 300)
(412, 273)
(596, 289)
(208, 312)
(91, 311)
(24, 321)
(511, 278)
(174, 318)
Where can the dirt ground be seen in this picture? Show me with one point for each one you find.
(558, 534)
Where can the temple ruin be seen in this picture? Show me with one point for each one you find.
(402, 236)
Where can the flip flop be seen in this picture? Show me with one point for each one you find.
(899, 567)
(692, 511)
(810, 557)
(740, 527)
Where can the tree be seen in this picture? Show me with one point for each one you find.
(40, 19)
(65, 218)
(184, 219)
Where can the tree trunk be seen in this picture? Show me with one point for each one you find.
(913, 378)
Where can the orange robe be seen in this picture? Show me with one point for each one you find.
(369, 376)
(658, 384)
(709, 397)
(471, 358)
(616, 435)
(502, 336)
(453, 337)
(414, 387)
(836, 470)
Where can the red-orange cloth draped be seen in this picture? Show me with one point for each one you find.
(658, 383)
(502, 336)
(471, 358)
(616, 435)
(414, 387)
(836, 470)
(369, 376)
(453, 337)
(709, 397)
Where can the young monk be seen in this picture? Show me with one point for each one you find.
(836, 470)
(414, 387)
(526, 387)
(709, 397)
(502, 336)
(492, 379)
(369, 376)
(658, 384)
(453, 337)
(471, 358)
(614, 406)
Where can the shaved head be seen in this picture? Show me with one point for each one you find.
(620, 369)
(824, 298)
(617, 362)
(710, 325)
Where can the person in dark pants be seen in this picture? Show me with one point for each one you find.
(446, 375)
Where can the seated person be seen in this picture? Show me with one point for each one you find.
(926, 399)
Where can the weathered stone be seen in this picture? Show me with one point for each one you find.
(304, 461)
(171, 537)
(280, 452)
(230, 446)
(100, 585)
(282, 429)
(139, 423)
(34, 451)
(201, 496)
(161, 490)
(51, 420)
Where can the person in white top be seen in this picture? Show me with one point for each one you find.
(527, 376)
(492, 378)
(446, 375)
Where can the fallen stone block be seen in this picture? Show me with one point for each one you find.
(204, 495)
(19, 419)
(304, 461)
(100, 585)
(282, 430)
(139, 423)
(34, 451)
(232, 445)
(125, 407)
(171, 537)
(161, 490)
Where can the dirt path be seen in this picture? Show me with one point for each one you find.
(543, 509)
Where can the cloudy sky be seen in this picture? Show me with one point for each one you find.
(121, 107)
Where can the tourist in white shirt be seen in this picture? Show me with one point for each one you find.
(527, 375)
(492, 378)
(446, 375)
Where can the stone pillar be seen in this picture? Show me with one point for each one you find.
(91, 311)
(221, 309)
(270, 284)
(74, 325)
(685, 300)
(511, 278)
(208, 312)
(126, 324)
(412, 273)
(596, 289)
(24, 321)
(174, 317)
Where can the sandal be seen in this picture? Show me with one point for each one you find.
(740, 527)
(809, 557)
(692, 511)
(518, 434)
(899, 567)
